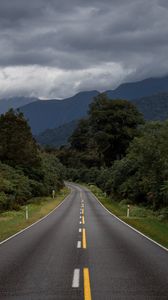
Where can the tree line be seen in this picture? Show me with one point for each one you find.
(113, 147)
(122, 154)
(26, 171)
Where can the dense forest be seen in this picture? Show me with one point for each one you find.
(122, 154)
(113, 148)
(25, 170)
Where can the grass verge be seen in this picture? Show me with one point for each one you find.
(14, 221)
(143, 219)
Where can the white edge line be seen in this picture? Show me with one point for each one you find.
(76, 278)
(19, 232)
(164, 248)
(79, 244)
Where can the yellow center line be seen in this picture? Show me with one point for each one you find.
(84, 238)
(87, 290)
(83, 220)
(82, 211)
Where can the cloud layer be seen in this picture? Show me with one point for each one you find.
(53, 49)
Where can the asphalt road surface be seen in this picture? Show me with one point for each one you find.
(80, 251)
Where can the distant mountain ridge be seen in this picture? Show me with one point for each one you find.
(139, 89)
(49, 114)
(15, 102)
(152, 107)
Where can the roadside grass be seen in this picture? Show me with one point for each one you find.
(141, 218)
(13, 221)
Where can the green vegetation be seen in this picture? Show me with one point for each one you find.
(143, 219)
(25, 170)
(13, 221)
(17, 146)
(104, 136)
(110, 126)
(124, 156)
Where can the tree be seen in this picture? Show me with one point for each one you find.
(142, 175)
(17, 145)
(106, 133)
(81, 135)
(84, 145)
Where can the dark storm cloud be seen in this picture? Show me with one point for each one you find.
(103, 41)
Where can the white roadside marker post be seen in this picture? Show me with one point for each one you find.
(128, 211)
(27, 213)
(53, 194)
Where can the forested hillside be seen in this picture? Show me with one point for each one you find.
(116, 150)
(25, 170)
(153, 108)
(58, 136)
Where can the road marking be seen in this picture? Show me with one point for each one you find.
(82, 211)
(79, 244)
(28, 227)
(84, 238)
(80, 229)
(80, 222)
(87, 290)
(139, 232)
(80, 217)
(76, 278)
(83, 220)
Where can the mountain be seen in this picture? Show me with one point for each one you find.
(139, 89)
(14, 102)
(57, 136)
(49, 114)
(153, 108)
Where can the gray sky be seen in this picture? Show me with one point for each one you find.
(53, 49)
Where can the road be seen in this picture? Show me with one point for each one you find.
(80, 251)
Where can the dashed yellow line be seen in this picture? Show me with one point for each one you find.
(84, 238)
(83, 220)
(87, 290)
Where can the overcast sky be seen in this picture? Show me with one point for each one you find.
(55, 48)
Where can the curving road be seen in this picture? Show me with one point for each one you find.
(80, 251)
